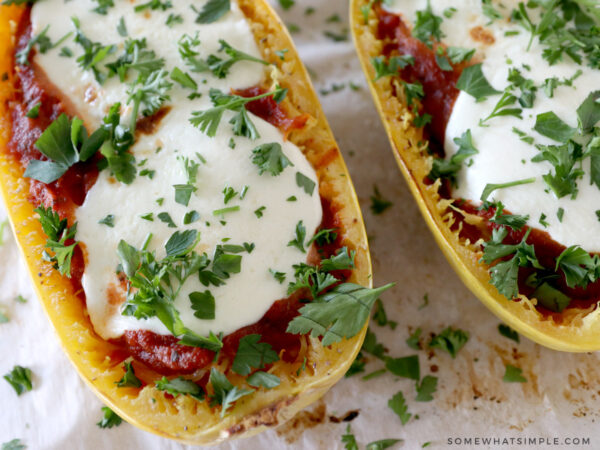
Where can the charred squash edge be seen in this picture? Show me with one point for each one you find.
(579, 329)
(183, 418)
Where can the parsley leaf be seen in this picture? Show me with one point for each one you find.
(154, 5)
(129, 379)
(392, 66)
(349, 440)
(551, 298)
(508, 332)
(427, 26)
(183, 78)
(20, 379)
(426, 388)
(398, 404)
(450, 340)
(220, 68)
(109, 418)
(413, 340)
(449, 168)
(208, 121)
(225, 393)
(474, 83)
(382, 444)
(14, 444)
(264, 379)
(252, 354)
(117, 141)
(340, 313)
(180, 386)
(550, 125)
(298, 242)
(513, 374)
(204, 305)
(579, 267)
(157, 283)
(460, 54)
(513, 221)
(109, 221)
(270, 158)
(504, 275)
(186, 45)
(150, 92)
(64, 143)
(58, 233)
(213, 10)
(93, 52)
(406, 367)
(378, 203)
(491, 187)
(305, 183)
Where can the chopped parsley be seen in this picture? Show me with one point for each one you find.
(109, 221)
(220, 67)
(474, 83)
(513, 374)
(449, 168)
(392, 66)
(406, 367)
(339, 313)
(426, 388)
(270, 158)
(203, 304)
(208, 121)
(34, 111)
(20, 379)
(225, 393)
(65, 142)
(300, 237)
(59, 234)
(305, 183)
(14, 444)
(508, 332)
(129, 379)
(213, 10)
(180, 386)
(398, 404)
(504, 274)
(491, 187)
(109, 418)
(379, 204)
(427, 27)
(450, 340)
(264, 379)
(253, 354)
(413, 340)
(157, 283)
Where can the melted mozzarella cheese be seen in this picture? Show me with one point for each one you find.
(503, 157)
(246, 296)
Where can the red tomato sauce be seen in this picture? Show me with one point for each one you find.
(161, 353)
(439, 86)
(440, 95)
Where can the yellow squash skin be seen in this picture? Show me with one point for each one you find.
(577, 330)
(185, 419)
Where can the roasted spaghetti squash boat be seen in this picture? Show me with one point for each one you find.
(492, 111)
(188, 220)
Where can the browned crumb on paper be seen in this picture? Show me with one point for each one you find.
(304, 420)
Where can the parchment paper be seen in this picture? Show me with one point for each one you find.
(559, 400)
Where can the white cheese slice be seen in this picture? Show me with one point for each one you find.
(503, 157)
(246, 296)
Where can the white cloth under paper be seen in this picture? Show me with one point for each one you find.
(559, 400)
